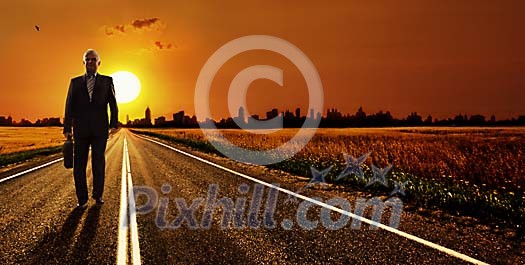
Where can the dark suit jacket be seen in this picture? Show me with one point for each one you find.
(90, 118)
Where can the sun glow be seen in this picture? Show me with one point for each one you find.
(127, 86)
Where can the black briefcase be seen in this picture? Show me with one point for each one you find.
(67, 151)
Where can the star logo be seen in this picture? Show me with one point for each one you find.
(353, 166)
(399, 188)
(318, 177)
(379, 175)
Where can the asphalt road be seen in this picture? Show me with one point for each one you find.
(39, 223)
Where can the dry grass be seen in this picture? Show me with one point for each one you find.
(492, 157)
(19, 139)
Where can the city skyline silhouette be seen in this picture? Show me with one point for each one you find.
(332, 118)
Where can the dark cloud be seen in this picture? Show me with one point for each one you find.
(112, 30)
(120, 28)
(137, 24)
(164, 46)
(141, 23)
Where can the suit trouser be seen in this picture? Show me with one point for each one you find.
(98, 166)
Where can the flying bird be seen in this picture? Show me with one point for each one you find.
(37, 28)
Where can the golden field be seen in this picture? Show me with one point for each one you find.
(492, 157)
(18, 139)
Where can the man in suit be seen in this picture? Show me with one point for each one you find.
(86, 110)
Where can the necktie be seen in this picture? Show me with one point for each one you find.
(91, 86)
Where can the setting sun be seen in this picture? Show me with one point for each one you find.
(127, 86)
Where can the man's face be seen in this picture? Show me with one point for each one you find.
(92, 63)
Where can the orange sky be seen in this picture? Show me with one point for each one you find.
(439, 57)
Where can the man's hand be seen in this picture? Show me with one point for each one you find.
(113, 131)
(68, 134)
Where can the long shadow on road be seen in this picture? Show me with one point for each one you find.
(55, 244)
(83, 245)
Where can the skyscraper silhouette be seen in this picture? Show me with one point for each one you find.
(148, 116)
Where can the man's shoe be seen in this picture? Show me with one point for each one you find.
(82, 206)
(99, 201)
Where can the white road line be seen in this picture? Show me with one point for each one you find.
(135, 249)
(30, 170)
(122, 244)
(322, 204)
(127, 197)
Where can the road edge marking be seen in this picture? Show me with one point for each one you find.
(30, 170)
